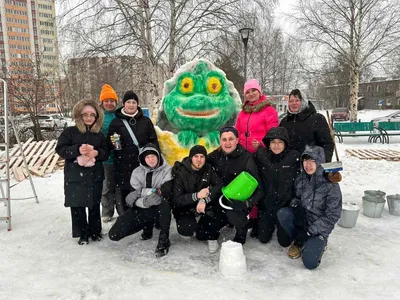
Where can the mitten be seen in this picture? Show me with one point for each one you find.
(334, 177)
(152, 200)
(300, 216)
(91, 162)
(301, 235)
(82, 160)
(238, 205)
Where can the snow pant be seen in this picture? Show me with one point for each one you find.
(85, 225)
(313, 248)
(239, 220)
(109, 199)
(136, 219)
(206, 228)
(267, 221)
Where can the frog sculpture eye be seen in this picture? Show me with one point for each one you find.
(187, 85)
(214, 85)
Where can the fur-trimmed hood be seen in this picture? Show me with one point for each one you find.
(76, 114)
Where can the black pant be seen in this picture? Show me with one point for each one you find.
(136, 219)
(266, 226)
(239, 220)
(123, 206)
(80, 225)
(207, 228)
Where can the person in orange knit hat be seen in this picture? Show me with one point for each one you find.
(110, 196)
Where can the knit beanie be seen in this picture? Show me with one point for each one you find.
(252, 84)
(229, 129)
(130, 95)
(197, 149)
(148, 152)
(107, 92)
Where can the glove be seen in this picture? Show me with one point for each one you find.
(85, 161)
(152, 200)
(238, 205)
(334, 177)
(300, 216)
(301, 236)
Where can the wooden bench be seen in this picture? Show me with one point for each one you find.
(359, 129)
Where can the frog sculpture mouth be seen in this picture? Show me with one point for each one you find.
(198, 114)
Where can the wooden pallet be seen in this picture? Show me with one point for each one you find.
(376, 154)
(41, 159)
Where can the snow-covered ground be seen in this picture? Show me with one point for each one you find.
(40, 260)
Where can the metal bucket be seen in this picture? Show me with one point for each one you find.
(394, 204)
(373, 193)
(348, 218)
(373, 206)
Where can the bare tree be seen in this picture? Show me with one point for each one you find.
(361, 31)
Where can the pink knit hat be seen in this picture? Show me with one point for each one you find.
(252, 84)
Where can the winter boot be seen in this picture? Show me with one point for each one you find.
(146, 234)
(163, 245)
(83, 240)
(97, 237)
(254, 230)
(106, 219)
(295, 250)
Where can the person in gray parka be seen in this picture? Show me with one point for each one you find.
(314, 210)
(152, 185)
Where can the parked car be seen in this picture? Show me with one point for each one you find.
(340, 113)
(52, 122)
(393, 117)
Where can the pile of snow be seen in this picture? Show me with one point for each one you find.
(40, 260)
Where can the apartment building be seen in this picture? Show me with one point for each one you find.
(28, 43)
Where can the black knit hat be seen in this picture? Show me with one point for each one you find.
(129, 95)
(229, 129)
(197, 149)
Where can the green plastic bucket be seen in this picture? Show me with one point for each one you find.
(240, 188)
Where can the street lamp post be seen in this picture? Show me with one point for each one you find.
(245, 34)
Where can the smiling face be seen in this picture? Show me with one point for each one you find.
(228, 142)
(151, 160)
(200, 101)
(294, 103)
(130, 106)
(252, 95)
(310, 166)
(277, 146)
(109, 104)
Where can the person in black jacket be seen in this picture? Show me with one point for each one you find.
(84, 148)
(196, 190)
(278, 167)
(126, 159)
(305, 126)
(229, 160)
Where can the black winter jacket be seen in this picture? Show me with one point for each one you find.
(82, 185)
(127, 159)
(308, 128)
(187, 182)
(277, 171)
(228, 166)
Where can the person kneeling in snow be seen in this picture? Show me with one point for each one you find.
(152, 184)
(314, 210)
(196, 189)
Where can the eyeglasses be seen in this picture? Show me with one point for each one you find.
(92, 116)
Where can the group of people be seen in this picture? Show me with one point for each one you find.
(113, 158)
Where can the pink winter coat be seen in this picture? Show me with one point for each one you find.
(256, 122)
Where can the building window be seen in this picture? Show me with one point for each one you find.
(369, 89)
(378, 88)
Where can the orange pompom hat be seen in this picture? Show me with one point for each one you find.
(107, 92)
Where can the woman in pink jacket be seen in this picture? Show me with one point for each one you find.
(254, 121)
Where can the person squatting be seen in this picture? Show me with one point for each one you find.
(294, 194)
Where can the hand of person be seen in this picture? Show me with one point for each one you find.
(152, 200)
(203, 193)
(83, 149)
(255, 144)
(201, 207)
(239, 205)
(92, 153)
(334, 177)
